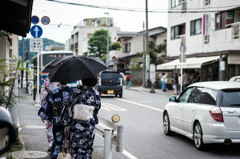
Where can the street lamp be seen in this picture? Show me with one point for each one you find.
(107, 59)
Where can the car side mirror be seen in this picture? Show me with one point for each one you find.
(7, 131)
(172, 99)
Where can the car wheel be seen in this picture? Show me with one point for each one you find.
(197, 136)
(120, 95)
(166, 125)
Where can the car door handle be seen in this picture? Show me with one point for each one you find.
(180, 107)
(193, 109)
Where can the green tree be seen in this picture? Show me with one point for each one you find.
(97, 44)
(152, 52)
(7, 97)
(115, 46)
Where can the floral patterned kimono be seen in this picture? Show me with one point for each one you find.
(81, 133)
(46, 113)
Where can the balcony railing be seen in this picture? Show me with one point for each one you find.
(235, 30)
(184, 6)
(206, 2)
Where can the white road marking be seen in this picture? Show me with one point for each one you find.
(129, 155)
(34, 127)
(139, 104)
(111, 107)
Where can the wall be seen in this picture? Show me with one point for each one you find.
(136, 77)
(219, 39)
(83, 34)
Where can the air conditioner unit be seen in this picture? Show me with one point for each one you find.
(206, 2)
(184, 6)
(182, 40)
(205, 39)
(235, 31)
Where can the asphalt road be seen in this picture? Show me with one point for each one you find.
(141, 117)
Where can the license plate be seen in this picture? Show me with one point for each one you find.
(110, 92)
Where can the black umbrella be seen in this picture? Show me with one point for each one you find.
(72, 68)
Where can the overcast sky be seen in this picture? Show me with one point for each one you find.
(71, 15)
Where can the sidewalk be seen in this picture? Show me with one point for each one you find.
(168, 93)
(33, 132)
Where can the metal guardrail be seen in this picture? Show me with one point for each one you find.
(112, 134)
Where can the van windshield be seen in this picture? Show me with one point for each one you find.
(230, 98)
(111, 76)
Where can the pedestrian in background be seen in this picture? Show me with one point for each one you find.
(44, 92)
(185, 80)
(82, 133)
(51, 110)
(180, 82)
(164, 79)
(176, 83)
(128, 81)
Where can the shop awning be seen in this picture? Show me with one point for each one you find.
(191, 63)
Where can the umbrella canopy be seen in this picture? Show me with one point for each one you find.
(73, 68)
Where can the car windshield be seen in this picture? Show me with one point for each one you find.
(230, 98)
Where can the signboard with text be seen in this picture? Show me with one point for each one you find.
(36, 45)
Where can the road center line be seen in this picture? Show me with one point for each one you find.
(139, 104)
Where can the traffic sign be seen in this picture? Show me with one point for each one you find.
(36, 45)
(183, 49)
(34, 19)
(36, 31)
(45, 20)
(152, 73)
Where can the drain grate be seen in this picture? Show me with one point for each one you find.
(29, 154)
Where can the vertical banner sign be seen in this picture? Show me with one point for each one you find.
(206, 24)
(152, 73)
(222, 65)
(147, 63)
(12, 69)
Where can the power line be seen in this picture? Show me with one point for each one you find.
(189, 10)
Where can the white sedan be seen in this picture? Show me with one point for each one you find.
(206, 112)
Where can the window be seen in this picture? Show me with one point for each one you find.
(196, 27)
(184, 97)
(208, 96)
(177, 30)
(175, 3)
(222, 19)
(127, 47)
(230, 98)
(195, 95)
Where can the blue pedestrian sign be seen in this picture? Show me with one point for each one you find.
(36, 31)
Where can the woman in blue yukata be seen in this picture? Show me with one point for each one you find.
(81, 133)
(51, 110)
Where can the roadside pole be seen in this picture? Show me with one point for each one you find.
(181, 71)
(182, 59)
(38, 100)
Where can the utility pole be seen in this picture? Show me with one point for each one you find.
(144, 56)
(147, 46)
(22, 61)
(107, 59)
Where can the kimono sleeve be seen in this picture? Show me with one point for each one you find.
(97, 106)
(45, 112)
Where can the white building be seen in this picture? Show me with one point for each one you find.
(207, 28)
(134, 42)
(84, 30)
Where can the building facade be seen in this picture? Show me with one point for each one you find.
(84, 30)
(205, 28)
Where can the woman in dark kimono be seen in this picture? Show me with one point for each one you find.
(51, 111)
(81, 133)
